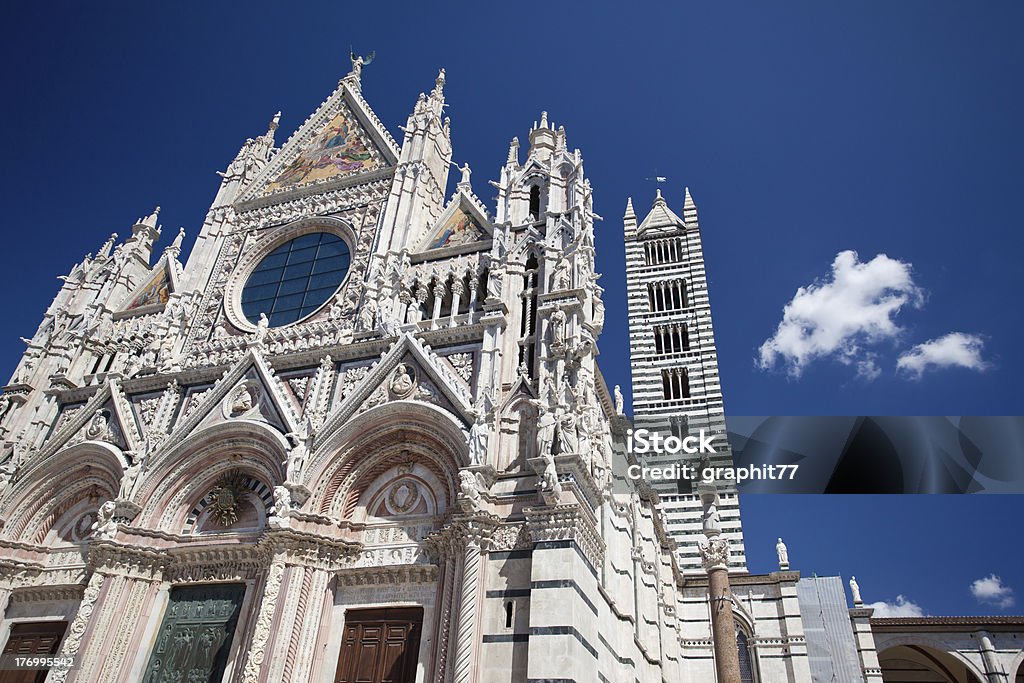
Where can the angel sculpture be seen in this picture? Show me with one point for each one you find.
(359, 62)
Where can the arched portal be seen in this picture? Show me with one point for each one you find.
(923, 664)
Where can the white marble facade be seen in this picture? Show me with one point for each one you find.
(434, 435)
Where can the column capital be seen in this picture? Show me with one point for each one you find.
(461, 532)
(714, 553)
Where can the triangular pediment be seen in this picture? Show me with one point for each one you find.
(461, 224)
(152, 295)
(250, 390)
(106, 417)
(341, 141)
(408, 371)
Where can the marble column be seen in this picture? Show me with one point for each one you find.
(714, 553)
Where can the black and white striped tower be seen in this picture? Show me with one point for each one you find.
(676, 387)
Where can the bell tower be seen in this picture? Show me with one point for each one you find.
(676, 389)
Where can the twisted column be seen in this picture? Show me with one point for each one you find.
(464, 645)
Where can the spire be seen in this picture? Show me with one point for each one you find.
(104, 251)
(175, 247)
(150, 220)
(658, 199)
(513, 153)
(543, 119)
(560, 144)
(438, 92)
(689, 210)
(629, 220)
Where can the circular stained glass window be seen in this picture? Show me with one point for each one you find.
(295, 279)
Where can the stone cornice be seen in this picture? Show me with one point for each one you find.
(397, 574)
(566, 522)
(48, 593)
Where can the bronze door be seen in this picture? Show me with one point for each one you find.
(380, 646)
(40, 639)
(195, 637)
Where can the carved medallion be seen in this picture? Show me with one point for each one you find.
(403, 381)
(402, 497)
(224, 499)
(242, 400)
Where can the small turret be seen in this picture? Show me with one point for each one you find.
(144, 233)
(542, 139)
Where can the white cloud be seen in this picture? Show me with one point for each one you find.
(956, 349)
(991, 590)
(838, 317)
(902, 607)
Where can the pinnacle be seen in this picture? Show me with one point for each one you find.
(629, 208)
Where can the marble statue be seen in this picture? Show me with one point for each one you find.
(282, 501)
(855, 589)
(783, 553)
(469, 485)
(104, 528)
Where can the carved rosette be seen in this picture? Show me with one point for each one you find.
(714, 553)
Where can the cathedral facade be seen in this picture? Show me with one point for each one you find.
(361, 435)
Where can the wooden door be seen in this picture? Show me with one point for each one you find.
(195, 637)
(380, 646)
(39, 639)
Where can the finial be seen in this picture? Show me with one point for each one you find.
(543, 119)
(657, 195)
(438, 91)
(176, 244)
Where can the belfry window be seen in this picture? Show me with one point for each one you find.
(675, 383)
(296, 279)
(671, 339)
(666, 295)
(535, 202)
(658, 252)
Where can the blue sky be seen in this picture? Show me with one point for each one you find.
(802, 129)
